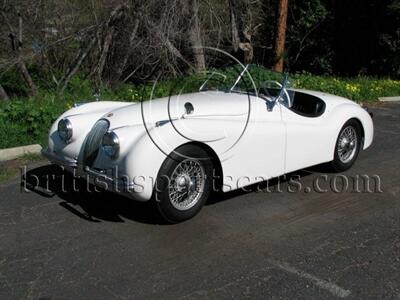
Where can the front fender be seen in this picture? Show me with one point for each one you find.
(82, 118)
(346, 111)
(142, 154)
(144, 148)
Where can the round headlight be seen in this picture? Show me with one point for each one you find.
(65, 129)
(110, 144)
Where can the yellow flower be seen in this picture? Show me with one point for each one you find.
(354, 88)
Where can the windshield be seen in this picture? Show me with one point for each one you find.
(251, 79)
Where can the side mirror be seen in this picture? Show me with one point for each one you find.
(189, 109)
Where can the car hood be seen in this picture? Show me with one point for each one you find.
(209, 104)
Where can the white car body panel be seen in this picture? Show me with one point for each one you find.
(311, 141)
(251, 143)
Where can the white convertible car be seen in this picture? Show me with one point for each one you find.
(175, 151)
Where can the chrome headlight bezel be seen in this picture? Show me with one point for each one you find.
(64, 129)
(110, 144)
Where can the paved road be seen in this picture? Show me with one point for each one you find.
(276, 244)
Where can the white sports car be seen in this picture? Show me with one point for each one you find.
(176, 150)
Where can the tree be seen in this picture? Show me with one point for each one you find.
(110, 28)
(3, 94)
(195, 35)
(308, 37)
(76, 64)
(16, 45)
(281, 35)
(241, 39)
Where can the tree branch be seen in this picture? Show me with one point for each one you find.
(16, 43)
(76, 65)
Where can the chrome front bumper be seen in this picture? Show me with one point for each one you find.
(100, 178)
(64, 161)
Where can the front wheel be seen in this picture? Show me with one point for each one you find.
(183, 184)
(347, 147)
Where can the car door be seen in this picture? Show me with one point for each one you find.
(307, 140)
(260, 153)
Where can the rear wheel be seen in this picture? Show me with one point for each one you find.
(347, 147)
(183, 184)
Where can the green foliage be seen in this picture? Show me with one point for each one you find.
(6, 173)
(27, 121)
(360, 89)
(306, 35)
(12, 82)
(29, 157)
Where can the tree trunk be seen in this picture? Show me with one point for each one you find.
(104, 53)
(175, 51)
(27, 77)
(195, 37)
(3, 94)
(281, 36)
(240, 39)
(115, 15)
(16, 43)
(235, 8)
(127, 53)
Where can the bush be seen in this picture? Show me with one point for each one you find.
(27, 120)
(24, 122)
(360, 89)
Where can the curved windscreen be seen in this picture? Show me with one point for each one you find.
(252, 79)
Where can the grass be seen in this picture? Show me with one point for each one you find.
(26, 120)
(359, 89)
(28, 157)
(11, 168)
(7, 173)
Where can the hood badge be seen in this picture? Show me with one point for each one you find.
(110, 115)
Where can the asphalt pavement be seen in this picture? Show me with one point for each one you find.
(324, 240)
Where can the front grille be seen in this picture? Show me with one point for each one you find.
(93, 142)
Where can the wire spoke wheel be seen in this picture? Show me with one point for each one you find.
(347, 144)
(186, 184)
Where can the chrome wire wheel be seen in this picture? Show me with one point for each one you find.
(186, 184)
(347, 144)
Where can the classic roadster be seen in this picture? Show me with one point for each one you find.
(176, 151)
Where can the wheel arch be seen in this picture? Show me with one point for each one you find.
(361, 127)
(346, 112)
(218, 176)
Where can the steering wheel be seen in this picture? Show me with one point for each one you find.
(264, 89)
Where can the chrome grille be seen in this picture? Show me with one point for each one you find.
(93, 141)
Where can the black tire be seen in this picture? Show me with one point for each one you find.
(161, 195)
(338, 165)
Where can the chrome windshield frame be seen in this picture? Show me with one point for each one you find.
(239, 78)
(202, 87)
(233, 88)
